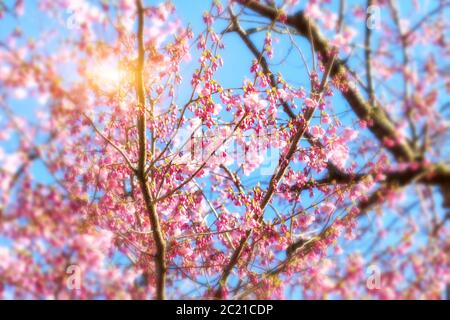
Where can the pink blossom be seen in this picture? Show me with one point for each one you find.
(349, 134)
(310, 103)
(327, 208)
(317, 132)
(253, 102)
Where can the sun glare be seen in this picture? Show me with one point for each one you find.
(106, 75)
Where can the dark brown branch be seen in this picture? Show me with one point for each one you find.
(234, 178)
(427, 175)
(158, 237)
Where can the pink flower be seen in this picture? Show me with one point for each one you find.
(343, 40)
(310, 103)
(217, 108)
(349, 134)
(327, 208)
(255, 66)
(306, 220)
(338, 154)
(205, 92)
(283, 94)
(253, 102)
(282, 17)
(317, 132)
(388, 142)
(325, 119)
(207, 18)
(268, 45)
(19, 7)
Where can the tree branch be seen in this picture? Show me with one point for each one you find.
(158, 237)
